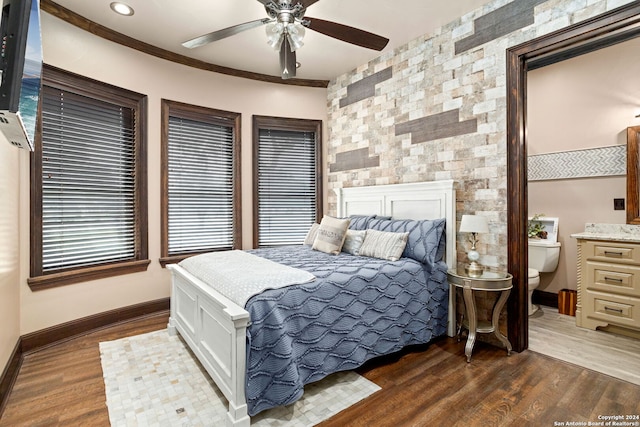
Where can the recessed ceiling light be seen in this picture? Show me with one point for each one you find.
(121, 8)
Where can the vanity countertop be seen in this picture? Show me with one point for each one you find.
(612, 232)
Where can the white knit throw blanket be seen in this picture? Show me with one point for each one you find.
(239, 275)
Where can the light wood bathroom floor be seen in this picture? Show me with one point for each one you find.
(557, 335)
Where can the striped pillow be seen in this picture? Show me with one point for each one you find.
(426, 242)
(384, 245)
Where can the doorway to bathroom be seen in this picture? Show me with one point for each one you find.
(605, 30)
(578, 111)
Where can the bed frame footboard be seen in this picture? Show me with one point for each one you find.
(214, 328)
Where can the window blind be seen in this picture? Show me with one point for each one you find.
(286, 186)
(200, 186)
(88, 181)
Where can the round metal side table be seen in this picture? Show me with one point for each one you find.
(489, 282)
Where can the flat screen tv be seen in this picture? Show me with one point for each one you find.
(20, 70)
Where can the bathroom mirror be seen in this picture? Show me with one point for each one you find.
(633, 190)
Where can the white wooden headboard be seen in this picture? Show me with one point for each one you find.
(419, 200)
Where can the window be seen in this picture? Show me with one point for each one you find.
(287, 179)
(88, 185)
(201, 180)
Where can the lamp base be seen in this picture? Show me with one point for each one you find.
(474, 269)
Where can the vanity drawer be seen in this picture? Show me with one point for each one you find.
(619, 310)
(612, 252)
(615, 278)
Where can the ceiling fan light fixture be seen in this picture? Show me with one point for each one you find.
(275, 34)
(275, 42)
(286, 26)
(296, 34)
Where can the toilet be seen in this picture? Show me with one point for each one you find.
(544, 255)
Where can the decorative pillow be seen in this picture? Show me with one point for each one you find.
(353, 241)
(331, 235)
(360, 222)
(383, 244)
(426, 242)
(311, 235)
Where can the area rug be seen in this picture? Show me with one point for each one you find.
(154, 380)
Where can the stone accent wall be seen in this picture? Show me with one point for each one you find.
(435, 109)
(437, 126)
(499, 22)
(354, 159)
(365, 88)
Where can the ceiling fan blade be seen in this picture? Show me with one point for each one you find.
(264, 2)
(347, 34)
(224, 33)
(287, 60)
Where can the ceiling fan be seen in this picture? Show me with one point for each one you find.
(285, 28)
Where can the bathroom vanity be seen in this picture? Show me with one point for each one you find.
(609, 277)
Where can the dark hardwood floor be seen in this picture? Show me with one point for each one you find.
(424, 386)
(63, 386)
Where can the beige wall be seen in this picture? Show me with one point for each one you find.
(9, 262)
(72, 49)
(575, 202)
(584, 102)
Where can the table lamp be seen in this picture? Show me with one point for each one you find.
(473, 224)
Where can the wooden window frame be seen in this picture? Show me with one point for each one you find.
(287, 124)
(204, 114)
(58, 78)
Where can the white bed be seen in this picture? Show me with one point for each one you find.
(215, 328)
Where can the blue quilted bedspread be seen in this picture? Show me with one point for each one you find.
(357, 308)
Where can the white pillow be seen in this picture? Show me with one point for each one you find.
(353, 241)
(384, 245)
(311, 234)
(331, 234)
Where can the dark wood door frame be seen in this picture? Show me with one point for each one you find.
(611, 27)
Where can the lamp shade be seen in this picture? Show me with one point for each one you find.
(474, 224)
